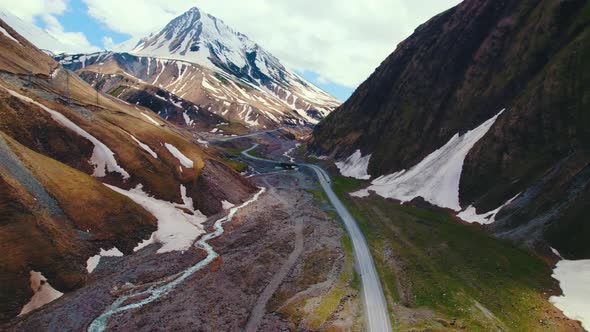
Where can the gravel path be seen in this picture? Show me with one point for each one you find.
(259, 310)
(376, 311)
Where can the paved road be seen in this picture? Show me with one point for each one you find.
(374, 299)
(231, 138)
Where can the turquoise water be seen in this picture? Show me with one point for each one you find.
(163, 287)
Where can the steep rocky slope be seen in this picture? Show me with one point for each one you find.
(203, 61)
(462, 68)
(58, 148)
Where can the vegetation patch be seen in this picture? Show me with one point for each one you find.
(344, 287)
(428, 260)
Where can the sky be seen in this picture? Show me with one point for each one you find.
(335, 44)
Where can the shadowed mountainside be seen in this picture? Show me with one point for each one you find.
(461, 68)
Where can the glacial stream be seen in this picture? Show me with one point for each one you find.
(165, 286)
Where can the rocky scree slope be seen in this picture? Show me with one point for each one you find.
(460, 69)
(57, 150)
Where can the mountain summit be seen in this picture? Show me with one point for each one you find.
(201, 38)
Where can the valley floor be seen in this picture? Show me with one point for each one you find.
(284, 264)
(287, 264)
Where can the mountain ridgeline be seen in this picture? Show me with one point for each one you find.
(460, 69)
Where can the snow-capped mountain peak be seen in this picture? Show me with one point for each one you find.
(200, 38)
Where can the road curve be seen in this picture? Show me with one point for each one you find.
(373, 297)
(231, 138)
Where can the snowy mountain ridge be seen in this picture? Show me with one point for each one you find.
(201, 38)
(200, 59)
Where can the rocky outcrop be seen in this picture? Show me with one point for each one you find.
(458, 70)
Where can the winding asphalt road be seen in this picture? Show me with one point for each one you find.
(231, 138)
(374, 299)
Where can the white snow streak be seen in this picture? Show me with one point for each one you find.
(145, 147)
(355, 166)
(151, 119)
(184, 160)
(187, 119)
(436, 178)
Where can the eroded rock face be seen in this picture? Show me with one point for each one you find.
(216, 185)
(461, 68)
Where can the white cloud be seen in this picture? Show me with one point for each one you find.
(342, 40)
(137, 17)
(29, 9)
(322, 80)
(74, 42)
(46, 10)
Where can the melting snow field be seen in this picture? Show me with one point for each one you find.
(574, 280)
(184, 160)
(177, 229)
(44, 293)
(436, 178)
(155, 291)
(355, 166)
(102, 158)
(93, 261)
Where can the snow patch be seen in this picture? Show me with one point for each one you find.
(93, 261)
(470, 214)
(436, 178)
(44, 293)
(355, 166)
(573, 277)
(227, 205)
(145, 147)
(184, 160)
(151, 119)
(187, 119)
(178, 225)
